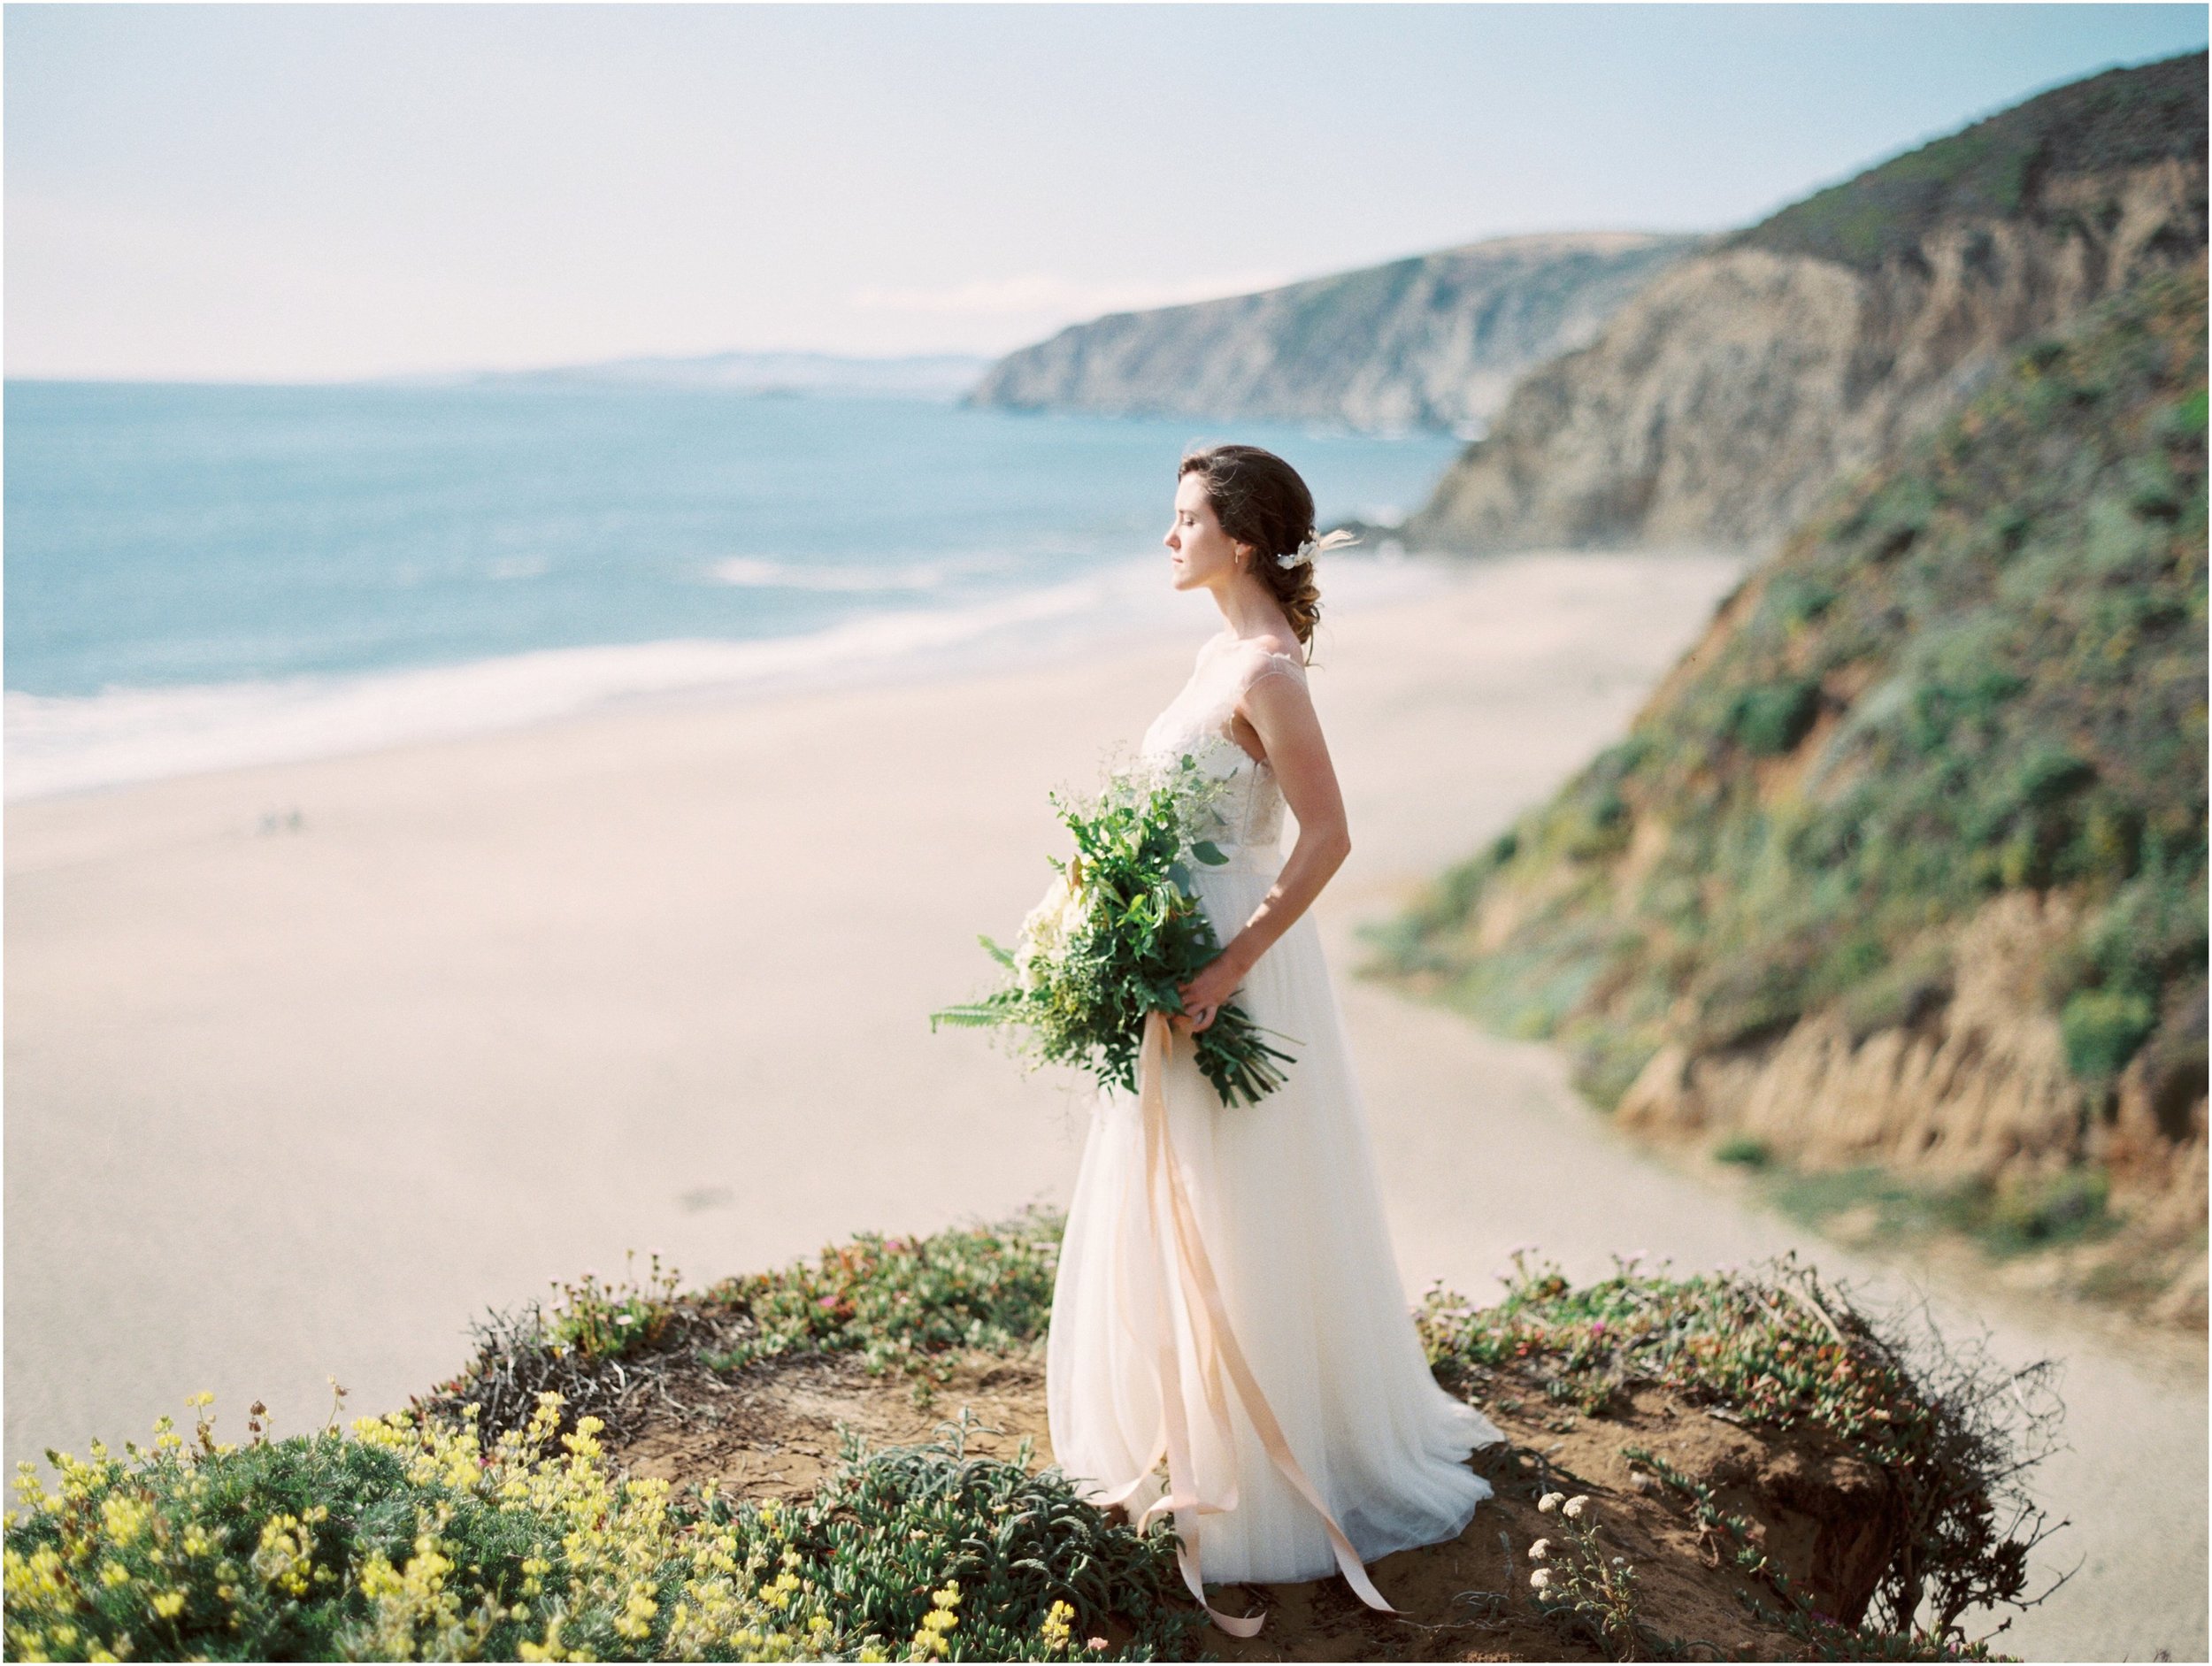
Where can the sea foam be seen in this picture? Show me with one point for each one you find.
(57, 744)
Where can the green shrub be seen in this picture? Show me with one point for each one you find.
(2102, 1028)
(910, 1303)
(1770, 720)
(2021, 1213)
(1745, 1150)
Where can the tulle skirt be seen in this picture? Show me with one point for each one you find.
(1290, 1212)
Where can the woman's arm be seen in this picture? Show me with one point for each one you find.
(1281, 712)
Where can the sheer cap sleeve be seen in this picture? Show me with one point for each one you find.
(1259, 662)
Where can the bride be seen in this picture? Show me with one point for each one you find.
(1228, 1298)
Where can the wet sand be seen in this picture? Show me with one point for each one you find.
(289, 1097)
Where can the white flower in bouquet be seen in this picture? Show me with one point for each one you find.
(1047, 927)
(1117, 935)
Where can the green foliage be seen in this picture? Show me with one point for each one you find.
(2019, 1213)
(906, 1302)
(888, 1527)
(2125, 118)
(1952, 1434)
(410, 1538)
(2102, 1029)
(1773, 719)
(1744, 1151)
(2007, 625)
(1117, 934)
(2011, 1215)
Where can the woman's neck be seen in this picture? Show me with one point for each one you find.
(1249, 608)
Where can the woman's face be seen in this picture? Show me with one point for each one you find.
(1201, 554)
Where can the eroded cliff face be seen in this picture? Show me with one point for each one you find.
(1972, 1086)
(1435, 341)
(1720, 403)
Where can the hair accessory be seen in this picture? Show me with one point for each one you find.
(1313, 546)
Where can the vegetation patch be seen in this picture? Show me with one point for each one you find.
(1978, 673)
(1950, 1433)
(907, 1303)
(408, 1537)
(1998, 169)
(915, 1305)
(2012, 1214)
(421, 1535)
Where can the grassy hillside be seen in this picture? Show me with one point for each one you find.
(1980, 672)
(2123, 118)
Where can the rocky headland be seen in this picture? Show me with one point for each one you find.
(1434, 341)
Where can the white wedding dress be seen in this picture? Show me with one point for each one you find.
(1283, 1217)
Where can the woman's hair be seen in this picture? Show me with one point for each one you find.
(1259, 500)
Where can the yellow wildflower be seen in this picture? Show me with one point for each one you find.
(1054, 1629)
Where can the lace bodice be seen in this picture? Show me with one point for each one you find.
(1198, 722)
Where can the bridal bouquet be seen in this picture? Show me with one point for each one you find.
(1119, 928)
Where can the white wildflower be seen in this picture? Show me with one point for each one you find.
(1550, 1501)
(1540, 1579)
(1573, 1508)
(1540, 1549)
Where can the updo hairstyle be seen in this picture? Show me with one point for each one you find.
(1259, 500)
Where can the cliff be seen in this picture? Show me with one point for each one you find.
(1435, 341)
(1903, 867)
(1720, 401)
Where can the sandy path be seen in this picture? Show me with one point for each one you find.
(289, 1102)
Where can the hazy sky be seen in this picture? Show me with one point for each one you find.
(312, 191)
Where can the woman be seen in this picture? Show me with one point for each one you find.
(1228, 1298)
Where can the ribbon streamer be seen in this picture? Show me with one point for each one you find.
(1217, 1346)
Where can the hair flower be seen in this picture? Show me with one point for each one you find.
(1313, 546)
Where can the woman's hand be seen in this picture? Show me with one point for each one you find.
(1204, 995)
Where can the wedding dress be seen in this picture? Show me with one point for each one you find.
(1240, 1264)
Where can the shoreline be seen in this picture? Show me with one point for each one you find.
(61, 746)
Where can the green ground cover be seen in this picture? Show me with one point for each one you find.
(428, 1534)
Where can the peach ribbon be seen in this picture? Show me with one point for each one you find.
(1216, 1348)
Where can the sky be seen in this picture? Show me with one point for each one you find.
(310, 193)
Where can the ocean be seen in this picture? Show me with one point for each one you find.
(198, 577)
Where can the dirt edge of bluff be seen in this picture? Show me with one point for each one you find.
(1820, 1513)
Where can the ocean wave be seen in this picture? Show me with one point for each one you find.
(57, 744)
(768, 573)
(753, 572)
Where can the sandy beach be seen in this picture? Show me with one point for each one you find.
(308, 1063)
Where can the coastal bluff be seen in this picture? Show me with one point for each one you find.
(1436, 341)
(1894, 888)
